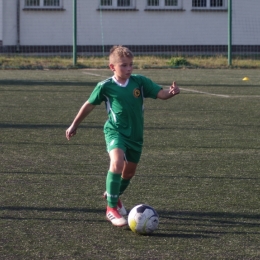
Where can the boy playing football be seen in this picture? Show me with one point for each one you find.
(123, 94)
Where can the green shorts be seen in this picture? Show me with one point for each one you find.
(131, 149)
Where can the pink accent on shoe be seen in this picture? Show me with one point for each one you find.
(120, 207)
(115, 218)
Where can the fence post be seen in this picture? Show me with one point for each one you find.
(17, 26)
(230, 32)
(74, 32)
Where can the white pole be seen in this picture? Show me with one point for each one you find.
(18, 25)
(1, 22)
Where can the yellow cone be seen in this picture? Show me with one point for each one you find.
(245, 78)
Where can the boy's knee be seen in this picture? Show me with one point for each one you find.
(116, 166)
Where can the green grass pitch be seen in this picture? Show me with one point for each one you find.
(200, 168)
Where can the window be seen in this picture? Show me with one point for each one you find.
(51, 2)
(153, 3)
(164, 4)
(171, 2)
(117, 4)
(199, 3)
(123, 3)
(106, 2)
(43, 3)
(32, 3)
(216, 3)
(209, 4)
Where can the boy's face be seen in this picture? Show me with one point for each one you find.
(122, 68)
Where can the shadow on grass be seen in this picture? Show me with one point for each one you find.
(156, 128)
(37, 126)
(159, 234)
(178, 235)
(18, 83)
(186, 215)
(194, 225)
(150, 176)
(213, 218)
(51, 209)
(207, 224)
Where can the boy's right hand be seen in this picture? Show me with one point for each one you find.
(71, 131)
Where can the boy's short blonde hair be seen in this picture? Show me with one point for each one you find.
(119, 51)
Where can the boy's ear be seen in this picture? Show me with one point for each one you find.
(112, 67)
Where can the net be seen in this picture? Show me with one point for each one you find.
(161, 33)
(246, 29)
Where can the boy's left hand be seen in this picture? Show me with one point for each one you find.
(174, 89)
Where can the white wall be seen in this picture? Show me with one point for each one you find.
(131, 27)
(37, 27)
(155, 28)
(9, 22)
(46, 28)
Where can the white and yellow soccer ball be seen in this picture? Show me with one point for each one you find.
(143, 219)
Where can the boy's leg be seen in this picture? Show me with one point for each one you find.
(114, 176)
(127, 174)
(123, 185)
(113, 186)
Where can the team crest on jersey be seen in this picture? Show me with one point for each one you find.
(137, 92)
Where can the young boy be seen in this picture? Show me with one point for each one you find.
(123, 95)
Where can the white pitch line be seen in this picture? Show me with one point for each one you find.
(92, 74)
(206, 93)
(220, 95)
(185, 89)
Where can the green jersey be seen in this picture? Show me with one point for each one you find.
(124, 104)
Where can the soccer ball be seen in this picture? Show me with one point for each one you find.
(143, 219)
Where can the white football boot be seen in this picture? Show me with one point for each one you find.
(115, 218)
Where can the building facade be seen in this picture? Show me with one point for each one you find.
(145, 25)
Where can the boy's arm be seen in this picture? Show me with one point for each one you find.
(83, 112)
(165, 94)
